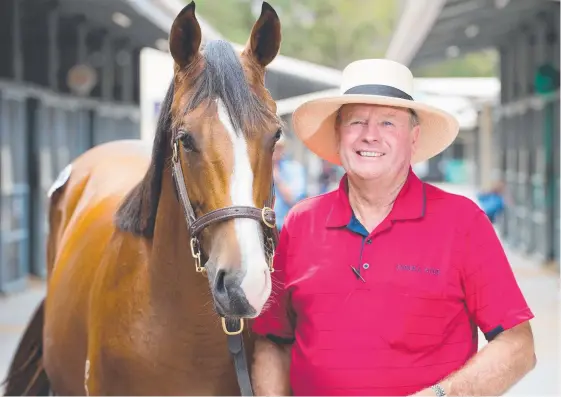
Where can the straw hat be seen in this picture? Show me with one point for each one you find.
(379, 82)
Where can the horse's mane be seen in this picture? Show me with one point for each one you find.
(137, 213)
(221, 77)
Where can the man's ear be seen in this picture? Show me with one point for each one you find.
(415, 131)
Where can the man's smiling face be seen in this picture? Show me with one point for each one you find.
(375, 140)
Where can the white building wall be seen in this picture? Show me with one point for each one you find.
(156, 73)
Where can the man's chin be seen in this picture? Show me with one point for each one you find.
(368, 171)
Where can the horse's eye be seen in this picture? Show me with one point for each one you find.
(278, 134)
(187, 141)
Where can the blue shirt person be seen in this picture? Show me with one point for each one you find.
(290, 182)
(493, 201)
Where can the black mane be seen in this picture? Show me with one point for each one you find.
(222, 78)
(137, 213)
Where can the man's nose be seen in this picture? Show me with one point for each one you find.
(371, 133)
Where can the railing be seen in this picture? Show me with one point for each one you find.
(14, 192)
(527, 143)
(40, 133)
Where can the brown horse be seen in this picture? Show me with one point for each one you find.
(132, 236)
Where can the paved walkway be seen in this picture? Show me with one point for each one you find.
(540, 286)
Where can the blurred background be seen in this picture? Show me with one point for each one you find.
(74, 74)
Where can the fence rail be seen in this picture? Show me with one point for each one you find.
(527, 160)
(40, 133)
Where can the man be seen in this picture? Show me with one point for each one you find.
(382, 284)
(290, 181)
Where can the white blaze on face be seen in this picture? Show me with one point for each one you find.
(248, 231)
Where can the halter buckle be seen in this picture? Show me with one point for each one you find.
(196, 253)
(227, 332)
(264, 219)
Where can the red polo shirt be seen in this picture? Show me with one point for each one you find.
(406, 316)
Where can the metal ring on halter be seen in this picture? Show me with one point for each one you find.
(175, 154)
(197, 256)
(271, 254)
(194, 241)
(198, 267)
(263, 217)
(225, 328)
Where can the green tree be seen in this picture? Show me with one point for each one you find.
(476, 64)
(334, 32)
(328, 32)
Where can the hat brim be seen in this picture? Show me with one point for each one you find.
(314, 124)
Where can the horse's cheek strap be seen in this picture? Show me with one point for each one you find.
(184, 197)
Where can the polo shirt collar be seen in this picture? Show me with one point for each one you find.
(409, 204)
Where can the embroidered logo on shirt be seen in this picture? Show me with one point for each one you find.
(417, 269)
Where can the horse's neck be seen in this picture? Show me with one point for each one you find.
(174, 283)
(180, 316)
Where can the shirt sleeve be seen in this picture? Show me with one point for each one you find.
(276, 321)
(493, 296)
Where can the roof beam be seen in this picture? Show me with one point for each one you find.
(288, 105)
(458, 9)
(414, 25)
(494, 30)
(482, 16)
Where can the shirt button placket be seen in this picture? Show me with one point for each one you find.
(364, 265)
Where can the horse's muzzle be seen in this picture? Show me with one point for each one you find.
(229, 297)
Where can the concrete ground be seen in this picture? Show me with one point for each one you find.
(540, 286)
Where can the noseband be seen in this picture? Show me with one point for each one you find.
(265, 216)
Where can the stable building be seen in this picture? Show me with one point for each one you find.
(69, 80)
(518, 138)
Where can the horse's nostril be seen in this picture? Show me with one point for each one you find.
(220, 286)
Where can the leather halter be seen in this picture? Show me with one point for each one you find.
(265, 215)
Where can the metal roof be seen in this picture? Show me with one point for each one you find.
(121, 19)
(432, 30)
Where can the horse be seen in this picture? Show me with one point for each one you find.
(156, 256)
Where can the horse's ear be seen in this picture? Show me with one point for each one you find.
(265, 39)
(185, 36)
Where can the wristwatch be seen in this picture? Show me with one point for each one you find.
(438, 390)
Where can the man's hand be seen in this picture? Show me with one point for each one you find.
(496, 368)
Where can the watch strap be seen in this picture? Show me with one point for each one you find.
(438, 390)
